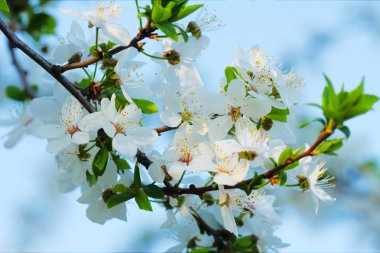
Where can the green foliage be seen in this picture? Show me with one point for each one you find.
(18, 94)
(4, 6)
(154, 191)
(120, 163)
(288, 153)
(256, 183)
(321, 120)
(278, 114)
(345, 105)
(142, 201)
(39, 24)
(329, 147)
(164, 12)
(100, 161)
(146, 106)
(120, 198)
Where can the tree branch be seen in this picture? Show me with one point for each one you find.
(53, 70)
(221, 236)
(21, 72)
(144, 33)
(325, 133)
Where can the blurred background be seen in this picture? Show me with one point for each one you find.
(339, 38)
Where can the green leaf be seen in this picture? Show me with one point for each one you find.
(154, 191)
(120, 198)
(142, 201)
(329, 146)
(278, 114)
(4, 6)
(40, 23)
(137, 180)
(364, 105)
(84, 83)
(146, 106)
(345, 130)
(100, 161)
(120, 163)
(282, 178)
(160, 14)
(168, 29)
(231, 73)
(184, 34)
(287, 153)
(16, 93)
(186, 11)
(121, 188)
(303, 125)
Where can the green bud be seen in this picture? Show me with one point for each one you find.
(304, 184)
(247, 155)
(77, 57)
(172, 56)
(107, 194)
(194, 29)
(266, 123)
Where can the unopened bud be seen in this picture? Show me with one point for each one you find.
(107, 194)
(194, 29)
(172, 56)
(266, 123)
(90, 24)
(304, 184)
(247, 155)
(77, 57)
(109, 63)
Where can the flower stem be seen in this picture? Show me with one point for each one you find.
(88, 74)
(138, 11)
(153, 56)
(96, 47)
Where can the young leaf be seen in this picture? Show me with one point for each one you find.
(120, 198)
(154, 191)
(146, 106)
(4, 6)
(328, 147)
(278, 114)
(120, 163)
(142, 201)
(186, 11)
(303, 125)
(100, 161)
(16, 93)
(160, 14)
(137, 180)
(168, 29)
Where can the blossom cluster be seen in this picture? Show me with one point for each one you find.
(223, 141)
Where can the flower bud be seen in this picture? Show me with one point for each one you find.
(247, 155)
(266, 123)
(194, 29)
(172, 56)
(304, 184)
(77, 57)
(107, 194)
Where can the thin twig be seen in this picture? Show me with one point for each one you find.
(144, 33)
(21, 72)
(53, 70)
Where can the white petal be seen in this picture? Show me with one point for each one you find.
(14, 136)
(170, 118)
(116, 33)
(49, 131)
(80, 137)
(236, 92)
(141, 136)
(226, 148)
(176, 171)
(254, 108)
(98, 212)
(92, 121)
(124, 145)
(119, 212)
(219, 128)
(229, 220)
(56, 145)
(45, 108)
(156, 172)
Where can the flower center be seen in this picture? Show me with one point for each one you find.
(119, 128)
(235, 113)
(186, 156)
(186, 116)
(72, 129)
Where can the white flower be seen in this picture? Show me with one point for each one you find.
(157, 169)
(66, 131)
(188, 153)
(312, 178)
(96, 196)
(76, 44)
(230, 171)
(22, 125)
(185, 105)
(250, 144)
(100, 19)
(76, 161)
(122, 126)
(184, 72)
(231, 108)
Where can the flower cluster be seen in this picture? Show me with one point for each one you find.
(225, 156)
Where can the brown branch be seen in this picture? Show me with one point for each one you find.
(325, 133)
(221, 236)
(21, 72)
(163, 129)
(53, 70)
(144, 33)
